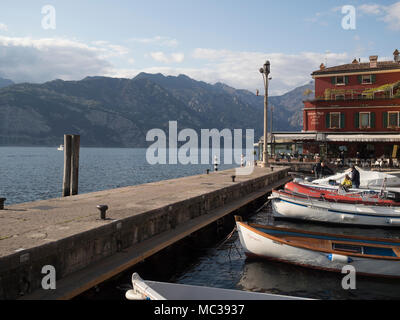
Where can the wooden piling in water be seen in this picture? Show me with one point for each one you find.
(66, 190)
(75, 164)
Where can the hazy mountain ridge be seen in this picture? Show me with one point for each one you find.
(5, 82)
(119, 112)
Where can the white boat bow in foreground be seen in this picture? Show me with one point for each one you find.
(153, 290)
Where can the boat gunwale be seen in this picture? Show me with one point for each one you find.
(364, 203)
(252, 227)
(291, 197)
(383, 203)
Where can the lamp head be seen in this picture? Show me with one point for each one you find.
(267, 66)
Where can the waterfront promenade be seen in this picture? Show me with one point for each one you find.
(85, 250)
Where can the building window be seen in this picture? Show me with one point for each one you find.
(393, 119)
(335, 120)
(340, 80)
(365, 120)
(367, 79)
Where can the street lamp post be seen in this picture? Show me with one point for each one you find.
(265, 71)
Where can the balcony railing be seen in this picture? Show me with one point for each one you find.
(351, 98)
(384, 92)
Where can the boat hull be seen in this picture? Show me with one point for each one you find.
(338, 213)
(255, 243)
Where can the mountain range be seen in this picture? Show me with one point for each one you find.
(113, 112)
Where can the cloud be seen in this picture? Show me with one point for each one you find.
(392, 16)
(241, 69)
(371, 9)
(157, 40)
(39, 60)
(3, 27)
(177, 57)
(162, 57)
(389, 14)
(159, 56)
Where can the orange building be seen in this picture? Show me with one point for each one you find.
(356, 109)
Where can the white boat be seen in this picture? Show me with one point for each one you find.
(331, 252)
(336, 187)
(61, 147)
(368, 179)
(154, 290)
(287, 205)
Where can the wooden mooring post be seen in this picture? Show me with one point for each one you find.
(71, 165)
(75, 164)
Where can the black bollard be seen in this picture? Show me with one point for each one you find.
(103, 208)
(233, 178)
(208, 171)
(2, 200)
(272, 168)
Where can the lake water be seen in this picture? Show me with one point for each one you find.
(28, 174)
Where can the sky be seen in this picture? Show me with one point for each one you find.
(209, 40)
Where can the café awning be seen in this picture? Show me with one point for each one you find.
(363, 137)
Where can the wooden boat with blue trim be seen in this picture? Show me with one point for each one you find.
(331, 252)
(296, 206)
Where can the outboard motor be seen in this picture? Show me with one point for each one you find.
(393, 195)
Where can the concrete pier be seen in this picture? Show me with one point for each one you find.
(85, 250)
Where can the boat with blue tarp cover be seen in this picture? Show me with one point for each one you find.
(376, 257)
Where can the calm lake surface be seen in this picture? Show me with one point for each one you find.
(29, 174)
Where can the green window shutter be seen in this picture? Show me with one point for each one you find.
(385, 119)
(346, 80)
(372, 119)
(356, 120)
(333, 80)
(342, 120)
(373, 78)
(327, 120)
(359, 77)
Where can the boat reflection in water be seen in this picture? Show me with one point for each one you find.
(280, 278)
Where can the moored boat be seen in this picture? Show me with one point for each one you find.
(154, 290)
(289, 205)
(366, 197)
(368, 179)
(336, 186)
(331, 252)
